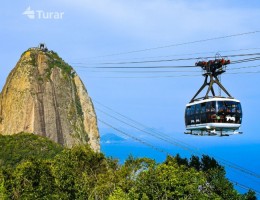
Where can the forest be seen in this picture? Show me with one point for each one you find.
(33, 167)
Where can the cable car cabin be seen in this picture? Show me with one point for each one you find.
(213, 115)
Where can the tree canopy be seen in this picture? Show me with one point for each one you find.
(32, 167)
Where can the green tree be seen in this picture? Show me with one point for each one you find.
(220, 185)
(3, 191)
(195, 162)
(119, 194)
(81, 173)
(208, 163)
(250, 195)
(43, 170)
(170, 181)
(33, 180)
(178, 159)
(131, 169)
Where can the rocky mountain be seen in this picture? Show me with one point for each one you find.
(43, 95)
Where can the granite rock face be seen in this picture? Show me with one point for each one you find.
(43, 95)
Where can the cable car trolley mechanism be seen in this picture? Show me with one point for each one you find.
(213, 115)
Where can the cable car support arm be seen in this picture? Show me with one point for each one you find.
(213, 69)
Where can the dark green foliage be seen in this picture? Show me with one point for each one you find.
(169, 181)
(250, 195)
(208, 163)
(33, 180)
(79, 172)
(25, 146)
(180, 161)
(195, 162)
(33, 167)
(5, 183)
(129, 172)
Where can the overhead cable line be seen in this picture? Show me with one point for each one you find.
(139, 67)
(151, 70)
(160, 150)
(147, 71)
(254, 72)
(181, 44)
(244, 186)
(175, 59)
(174, 55)
(169, 76)
(144, 77)
(163, 66)
(166, 60)
(224, 162)
(144, 131)
(246, 67)
(163, 71)
(245, 60)
(236, 173)
(163, 151)
(134, 138)
(129, 135)
(140, 124)
(169, 140)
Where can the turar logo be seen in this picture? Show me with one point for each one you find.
(29, 13)
(41, 14)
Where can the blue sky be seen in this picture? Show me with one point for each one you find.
(91, 30)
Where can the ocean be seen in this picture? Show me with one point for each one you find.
(236, 158)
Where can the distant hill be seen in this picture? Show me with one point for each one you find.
(111, 138)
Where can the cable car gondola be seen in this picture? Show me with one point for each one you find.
(213, 115)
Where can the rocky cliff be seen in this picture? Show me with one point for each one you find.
(43, 95)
